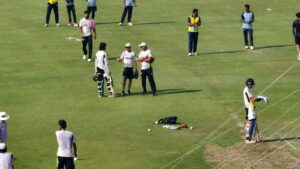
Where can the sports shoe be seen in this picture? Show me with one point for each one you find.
(123, 93)
(130, 24)
(190, 54)
(129, 93)
(69, 24)
(89, 60)
(120, 24)
(75, 25)
(46, 25)
(84, 57)
(250, 141)
(57, 24)
(251, 47)
(195, 54)
(246, 47)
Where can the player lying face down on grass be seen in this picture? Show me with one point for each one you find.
(249, 100)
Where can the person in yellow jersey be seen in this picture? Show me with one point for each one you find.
(193, 23)
(52, 4)
(249, 100)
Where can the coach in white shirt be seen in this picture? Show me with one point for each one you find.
(6, 158)
(65, 140)
(146, 58)
(87, 27)
(129, 59)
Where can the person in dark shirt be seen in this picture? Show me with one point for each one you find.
(296, 32)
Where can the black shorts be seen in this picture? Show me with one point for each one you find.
(67, 162)
(297, 39)
(128, 73)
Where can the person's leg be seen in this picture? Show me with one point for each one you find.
(298, 49)
(84, 43)
(245, 32)
(90, 43)
(93, 12)
(69, 14)
(151, 81)
(129, 13)
(74, 14)
(251, 37)
(49, 9)
(100, 82)
(60, 163)
(55, 8)
(123, 14)
(252, 125)
(89, 9)
(195, 42)
(144, 81)
(190, 42)
(70, 163)
(129, 84)
(124, 81)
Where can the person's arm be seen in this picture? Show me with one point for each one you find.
(75, 150)
(134, 3)
(121, 57)
(106, 64)
(199, 22)
(96, 64)
(294, 31)
(189, 22)
(81, 32)
(252, 19)
(243, 18)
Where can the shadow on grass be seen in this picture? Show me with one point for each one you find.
(240, 51)
(136, 23)
(280, 139)
(155, 23)
(169, 91)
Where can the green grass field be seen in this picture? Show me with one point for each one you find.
(43, 79)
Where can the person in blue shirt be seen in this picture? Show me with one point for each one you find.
(71, 9)
(296, 32)
(92, 7)
(128, 7)
(247, 18)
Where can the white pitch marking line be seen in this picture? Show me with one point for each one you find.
(291, 145)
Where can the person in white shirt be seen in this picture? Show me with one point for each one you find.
(249, 101)
(87, 29)
(146, 58)
(66, 140)
(102, 72)
(3, 127)
(129, 59)
(6, 158)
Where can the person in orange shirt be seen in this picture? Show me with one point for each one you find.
(52, 4)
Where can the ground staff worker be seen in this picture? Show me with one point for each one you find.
(193, 23)
(146, 58)
(52, 4)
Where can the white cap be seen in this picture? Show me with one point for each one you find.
(2, 146)
(143, 44)
(4, 116)
(127, 45)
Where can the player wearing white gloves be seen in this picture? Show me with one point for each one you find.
(249, 100)
(102, 72)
